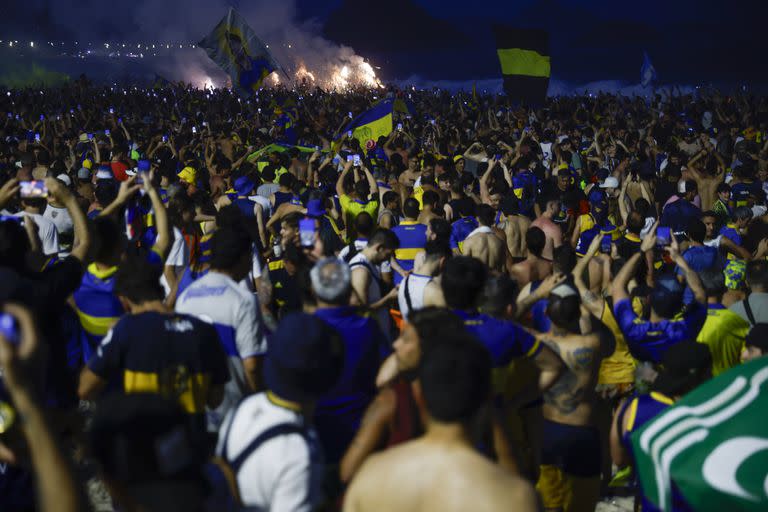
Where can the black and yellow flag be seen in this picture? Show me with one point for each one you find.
(524, 58)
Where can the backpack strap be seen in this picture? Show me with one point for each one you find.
(370, 270)
(748, 311)
(407, 293)
(281, 429)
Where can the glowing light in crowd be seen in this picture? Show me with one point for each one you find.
(275, 79)
(302, 73)
(31, 44)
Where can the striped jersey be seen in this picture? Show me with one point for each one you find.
(96, 306)
(234, 312)
(413, 238)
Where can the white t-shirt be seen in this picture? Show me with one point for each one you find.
(177, 257)
(61, 218)
(285, 472)
(415, 283)
(46, 230)
(546, 151)
(234, 311)
(265, 205)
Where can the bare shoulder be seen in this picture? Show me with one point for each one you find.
(499, 488)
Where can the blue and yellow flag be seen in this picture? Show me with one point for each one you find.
(371, 124)
(237, 50)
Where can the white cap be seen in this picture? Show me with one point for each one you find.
(564, 290)
(64, 179)
(610, 182)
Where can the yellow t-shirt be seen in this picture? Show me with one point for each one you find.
(723, 332)
(351, 208)
(619, 367)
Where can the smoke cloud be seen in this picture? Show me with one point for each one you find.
(298, 46)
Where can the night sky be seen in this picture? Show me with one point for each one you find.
(688, 41)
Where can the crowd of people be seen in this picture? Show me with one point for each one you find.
(221, 303)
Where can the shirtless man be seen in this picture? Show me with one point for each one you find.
(436, 471)
(430, 204)
(483, 244)
(549, 207)
(533, 267)
(571, 443)
(515, 227)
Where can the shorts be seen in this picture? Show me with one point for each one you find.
(575, 450)
(569, 476)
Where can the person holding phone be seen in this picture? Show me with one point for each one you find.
(33, 196)
(356, 196)
(648, 339)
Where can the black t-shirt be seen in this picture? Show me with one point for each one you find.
(175, 355)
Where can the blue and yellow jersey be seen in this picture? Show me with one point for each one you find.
(640, 410)
(460, 230)
(731, 232)
(177, 356)
(413, 238)
(506, 342)
(96, 306)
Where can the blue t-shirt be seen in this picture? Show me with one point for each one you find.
(648, 341)
(460, 230)
(678, 215)
(505, 340)
(340, 410)
(700, 258)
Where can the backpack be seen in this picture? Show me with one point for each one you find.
(230, 466)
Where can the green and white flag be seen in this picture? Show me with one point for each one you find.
(713, 444)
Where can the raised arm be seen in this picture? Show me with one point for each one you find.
(372, 185)
(126, 191)
(82, 235)
(342, 176)
(591, 301)
(619, 288)
(484, 192)
(164, 233)
(57, 488)
(691, 277)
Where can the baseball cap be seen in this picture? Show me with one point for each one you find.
(188, 175)
(758, 337)
(83, 173)
(610, 182)
(64, 179)
(104, 172)
(243, 186)
(683, 365)
(304, 358)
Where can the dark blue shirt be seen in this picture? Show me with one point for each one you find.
(339, 411)
(505, 340)
(678, 215)
(648, 341)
